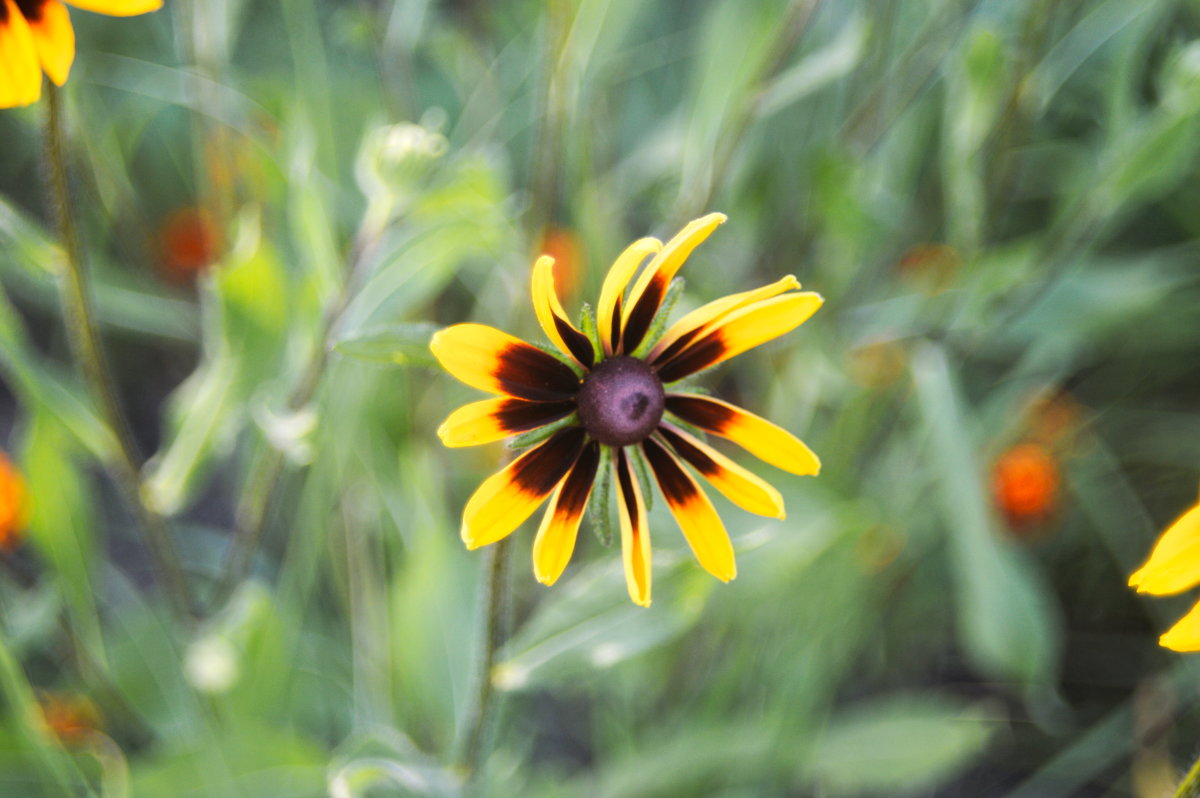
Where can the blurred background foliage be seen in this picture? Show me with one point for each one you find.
(999, 201)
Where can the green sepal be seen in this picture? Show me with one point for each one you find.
(659, 325)
(527, 439)
(587, 325)
(642, 471)
(599, 510)
(554, 352)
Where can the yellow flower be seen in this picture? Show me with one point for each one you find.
(1173, 567)
(614, 394)
(36, 35)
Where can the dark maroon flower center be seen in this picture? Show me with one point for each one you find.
(621, 401)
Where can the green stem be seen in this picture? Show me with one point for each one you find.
(250, 520)
(79, 316)
(495, 613)
(1190, 786)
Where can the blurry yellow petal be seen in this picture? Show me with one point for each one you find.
(495, 419)
(1185, 635)
(693, 323)
(635, 532)
(118, 8)
(1174, 564)
(766, 441)
(615, 282)
(507, 498)
(20, 70)
(693, 511)
(651, 287)
(741, 330)
(494, 361)
(553, 318)
(55, 40)
(555, 539)
(740, 486)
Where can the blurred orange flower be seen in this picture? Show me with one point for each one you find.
(14, 505)
(36, 36)
(188, 242)
(1054, 418)
(69, 717)
(1025, 483)
(564, 246)
(933, 266)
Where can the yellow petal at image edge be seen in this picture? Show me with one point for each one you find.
(118, 8)
(20, 70)
(1174, 564)
(55, 41)
(1185, 635)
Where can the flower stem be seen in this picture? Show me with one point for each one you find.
(1190, 786)
(495, 625)
(79, 316)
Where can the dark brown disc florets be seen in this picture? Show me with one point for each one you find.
(621, 401)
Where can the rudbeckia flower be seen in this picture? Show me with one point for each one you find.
(611, 398)
(1173, 567)
(36, 35)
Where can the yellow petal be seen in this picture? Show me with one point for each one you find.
(1174, 564)
(494, 361)
(118, 8)
(741, 330)
(635, 532)
(495, 419)
(740, 486)
(55, 40)
(507, 498)
(20, 70)
(766, 441)
(1184, 635)
(694, 512)
(651, 287)
(615, 282)
(555, 539)
(550, 314)
(693, 323)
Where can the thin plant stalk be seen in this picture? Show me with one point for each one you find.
(495, 615)
(88, 351)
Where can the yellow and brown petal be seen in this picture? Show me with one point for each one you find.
(37, 36)
(617, 403)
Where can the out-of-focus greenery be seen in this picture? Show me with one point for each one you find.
(999, 201)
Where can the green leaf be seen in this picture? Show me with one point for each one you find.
(393, 344)
(1006, 619)
(899, 745)
(592, 624)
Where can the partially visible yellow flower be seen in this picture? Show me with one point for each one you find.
(617, 395)
(14, 505)
(1174, 566)
(36, 36)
